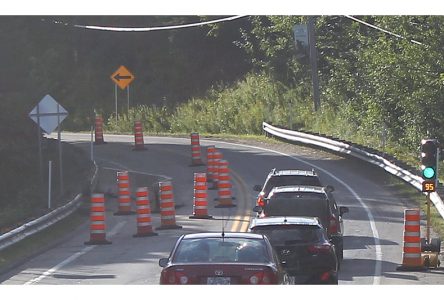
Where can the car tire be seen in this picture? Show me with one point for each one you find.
(436, 245)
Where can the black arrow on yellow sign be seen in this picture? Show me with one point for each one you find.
(118, 77)
(122, 77)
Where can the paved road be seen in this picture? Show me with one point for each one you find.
(373, 227)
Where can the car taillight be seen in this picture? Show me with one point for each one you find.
(267, 278)
(255, 278)
(182, 278)
(333, 225)
(260, 201)
(263, 277)
(170, 277)
(173, 277)
(325, 276)
(317, 249)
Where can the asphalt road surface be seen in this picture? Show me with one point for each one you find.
(373, 227)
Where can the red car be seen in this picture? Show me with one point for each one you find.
(222, 258)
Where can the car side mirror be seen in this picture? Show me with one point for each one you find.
(329, 188)
(257, 188)
(343, 210)
(257, 209)
(163, 262)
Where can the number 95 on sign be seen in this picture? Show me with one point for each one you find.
(428, 186)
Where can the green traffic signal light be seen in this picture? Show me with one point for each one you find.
(429, 158)
(428, 173)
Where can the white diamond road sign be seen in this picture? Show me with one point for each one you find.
(48, 113)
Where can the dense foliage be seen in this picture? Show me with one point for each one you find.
(376, 88)
(223, 78)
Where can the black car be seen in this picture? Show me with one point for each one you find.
(222, 258)
(302, 246)
(287, 178)
(312, 201)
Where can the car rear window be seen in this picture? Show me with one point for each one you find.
(290, 234)
(287, 180)
(230, 250)
(297, 204)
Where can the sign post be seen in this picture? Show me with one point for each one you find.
(122, 77)
(313, 63)
(48, 114)
(49, 183)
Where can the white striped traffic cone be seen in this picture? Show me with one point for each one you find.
(200, 207)
(196, 159)
(97, 227)
(224, 186)
(144, 225)
(210, 163)
(216, 162)
(167, 206)
(124, 194)
(411, 254)
(98, 131)
(138, 136)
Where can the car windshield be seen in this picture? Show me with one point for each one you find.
(290, 234)
(297, 204)
(287, 180)
(228, 250)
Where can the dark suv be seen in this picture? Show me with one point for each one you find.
(302, 246)
(312, 201)
(286, 178)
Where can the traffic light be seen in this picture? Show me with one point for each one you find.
(429, 160)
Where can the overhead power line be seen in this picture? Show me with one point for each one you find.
(385, 31)
(144, 29)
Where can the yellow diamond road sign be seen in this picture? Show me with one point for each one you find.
(122, 77)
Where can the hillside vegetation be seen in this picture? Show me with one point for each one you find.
(374, 86)
(378, 89)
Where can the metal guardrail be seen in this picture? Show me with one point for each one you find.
(345, 148)
(54, 216)
(18, 234)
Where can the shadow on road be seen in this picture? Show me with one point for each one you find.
(353, 242)
(358, 267)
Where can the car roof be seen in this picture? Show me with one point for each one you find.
(201, 235)
(266, 221)
(293, 173)
(298, 188)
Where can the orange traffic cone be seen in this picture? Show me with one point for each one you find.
(224, 186)
(167, 206)
(200, 207)
(411, 255)
(196, 159)
(210, 163)
(144, 225)
(138, 136)
(124, 194)
(217, 158)
(98, 131)
(97, 227)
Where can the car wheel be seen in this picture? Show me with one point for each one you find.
(436, 245)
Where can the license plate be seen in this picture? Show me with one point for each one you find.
(218, 280)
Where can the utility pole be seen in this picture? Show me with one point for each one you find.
(313, 62)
